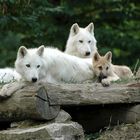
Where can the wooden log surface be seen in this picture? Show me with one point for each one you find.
(26, 102)
(32, 101)
(92, 94)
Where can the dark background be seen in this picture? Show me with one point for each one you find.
(37, 22)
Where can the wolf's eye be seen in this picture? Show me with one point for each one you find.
(89, 41)
(100, 67)
(107, 68)
(38, 66)
(28, 65)
(81, 41)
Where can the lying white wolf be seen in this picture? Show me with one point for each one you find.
(51, 65)
(81, 41)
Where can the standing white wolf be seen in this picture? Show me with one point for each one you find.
(51, 65)
(81, 41)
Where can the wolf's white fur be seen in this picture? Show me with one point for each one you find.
(8, 75)
(73, 47)
(81, 41)
(55, 66)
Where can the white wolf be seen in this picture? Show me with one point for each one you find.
(51, 65)
(78, 45)
(81, 41)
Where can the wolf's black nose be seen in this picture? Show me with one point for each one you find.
(87, 53)
(34, 80)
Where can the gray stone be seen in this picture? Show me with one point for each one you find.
(25, 124)
(62, 116)
(52, 131)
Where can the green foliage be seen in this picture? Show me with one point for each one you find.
(33, 23)
(92, 136)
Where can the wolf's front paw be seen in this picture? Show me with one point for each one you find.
(105, 82)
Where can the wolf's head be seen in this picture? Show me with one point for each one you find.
(30, 63)
(102, 65)
(81, 41)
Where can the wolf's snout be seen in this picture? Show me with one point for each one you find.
(101, 76)
(34, 79)
(87, 53)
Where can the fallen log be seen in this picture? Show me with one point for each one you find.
(28, 102)
(92, 94)
(44, 101)
(74, 94)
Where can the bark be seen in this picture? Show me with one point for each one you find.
(28, 102)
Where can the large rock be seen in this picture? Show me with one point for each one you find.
(62, 116)
(54, 131)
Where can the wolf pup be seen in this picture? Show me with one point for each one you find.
(104, 69)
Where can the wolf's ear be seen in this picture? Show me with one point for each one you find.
(22, 51)
(108, 56)
(74, 29)
(90, 28)
(96, 57)
(40, 50)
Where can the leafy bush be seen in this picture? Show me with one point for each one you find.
(33, 23)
